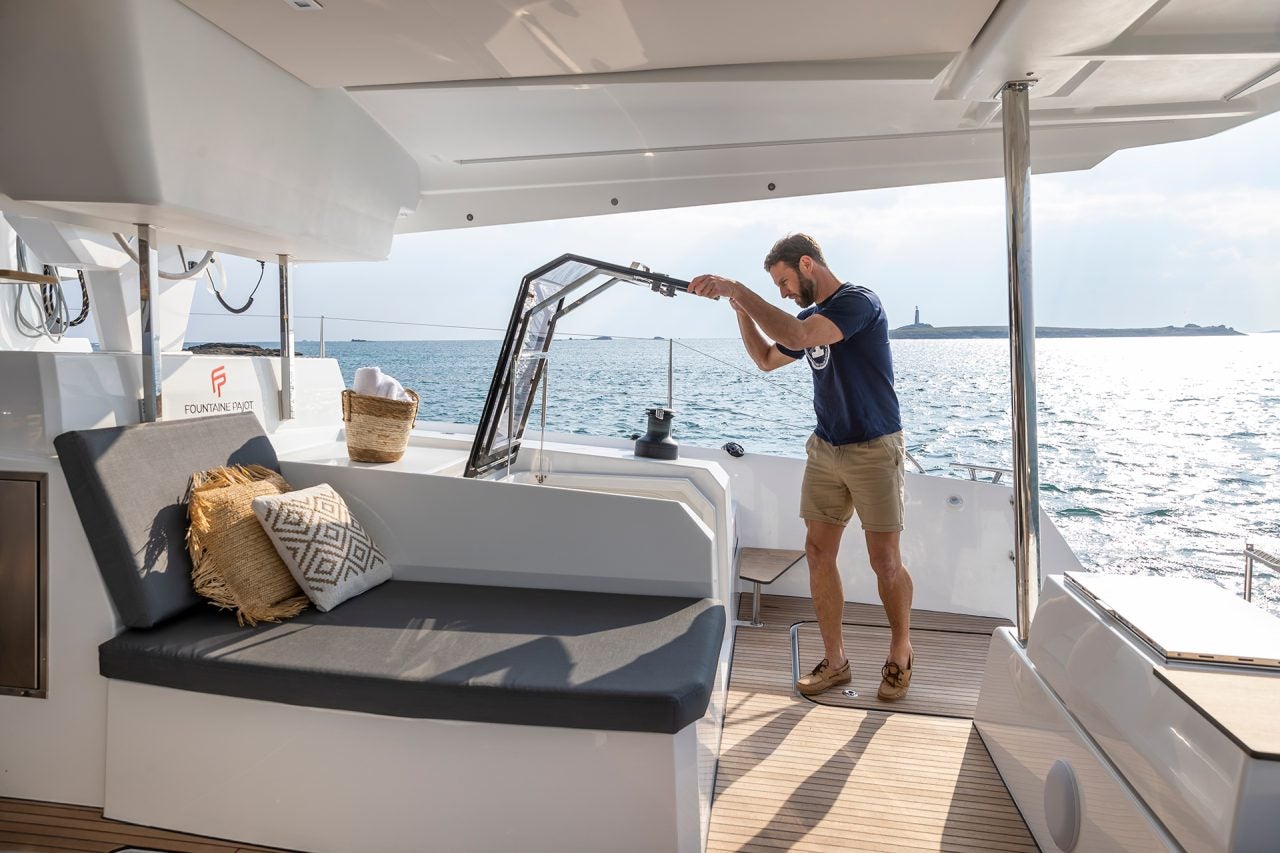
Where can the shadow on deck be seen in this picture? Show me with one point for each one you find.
(859, 774)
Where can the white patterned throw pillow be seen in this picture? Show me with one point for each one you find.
(327, 551)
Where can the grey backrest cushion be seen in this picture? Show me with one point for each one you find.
(128, 484)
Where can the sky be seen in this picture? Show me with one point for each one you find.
(1165, 235)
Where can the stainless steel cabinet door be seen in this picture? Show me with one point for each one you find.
(20, 584)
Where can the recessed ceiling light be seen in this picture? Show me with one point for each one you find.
(304, 5)
(649, 154)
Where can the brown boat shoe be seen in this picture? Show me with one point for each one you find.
(894, 680)
(822, 677)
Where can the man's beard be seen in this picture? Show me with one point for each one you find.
(808, 290)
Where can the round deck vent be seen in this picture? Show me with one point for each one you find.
(1062, 806)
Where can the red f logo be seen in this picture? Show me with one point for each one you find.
(219, 378)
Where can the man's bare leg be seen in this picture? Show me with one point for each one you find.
(821, 546)
(894, 584)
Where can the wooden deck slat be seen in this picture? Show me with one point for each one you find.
(836, 780)
(903, 829)
(791, 609)
(15, 840)
(873, 836)
(801, 776)
(28, 825)
(820, 783)
(110, 830)
(95, 826)
(106, 837)
(848, 836)
(977, 817)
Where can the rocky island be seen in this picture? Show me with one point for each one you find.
(924, 331)
(234, 349)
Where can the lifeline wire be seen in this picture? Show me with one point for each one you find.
(583, 334)
(496, 329)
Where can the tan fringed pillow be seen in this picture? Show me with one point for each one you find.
(234, 564)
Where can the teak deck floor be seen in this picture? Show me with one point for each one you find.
(859, 774)
(32, 827)
(794, 774)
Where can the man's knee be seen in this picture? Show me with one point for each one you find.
(819, 554)
(886, 564)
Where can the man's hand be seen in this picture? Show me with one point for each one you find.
(745, 303)
(714, 286)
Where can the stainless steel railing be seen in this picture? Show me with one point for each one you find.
(973, 469)
(1253, 554)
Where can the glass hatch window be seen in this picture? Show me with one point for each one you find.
(546, 294)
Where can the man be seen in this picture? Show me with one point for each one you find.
(856, 453)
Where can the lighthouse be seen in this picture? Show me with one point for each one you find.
(917, 322)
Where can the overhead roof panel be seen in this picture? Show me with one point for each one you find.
(1196, 17)
(371, 42)
(527, 110)
(480, 124)
(1167, 81)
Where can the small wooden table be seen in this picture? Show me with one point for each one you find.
(763, 566)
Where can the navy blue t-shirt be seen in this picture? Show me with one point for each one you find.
(853, 392)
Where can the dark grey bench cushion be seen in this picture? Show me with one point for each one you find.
(128, 484)
(448, 651)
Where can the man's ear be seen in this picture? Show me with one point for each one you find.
(806, 268)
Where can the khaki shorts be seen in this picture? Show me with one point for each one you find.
(868, 476)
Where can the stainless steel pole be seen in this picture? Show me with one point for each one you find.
(671, 355)
(542, 442)
(286, 341)
(322, 336)
(152, 403)
(1022, 350)
(511, 411)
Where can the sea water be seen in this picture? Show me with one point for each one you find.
(1157, 455)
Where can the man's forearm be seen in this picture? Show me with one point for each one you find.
(773, 321)
(757, 347)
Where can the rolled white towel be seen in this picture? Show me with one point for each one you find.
(367, 381)
(391, 388)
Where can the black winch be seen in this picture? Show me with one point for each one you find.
(657, 443)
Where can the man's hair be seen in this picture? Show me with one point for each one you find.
(791, 248)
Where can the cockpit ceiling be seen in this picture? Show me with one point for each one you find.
(551, 108)
(378, 42)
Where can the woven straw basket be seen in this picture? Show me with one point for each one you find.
(377, 428)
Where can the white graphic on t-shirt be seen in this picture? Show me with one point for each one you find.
(818, 356)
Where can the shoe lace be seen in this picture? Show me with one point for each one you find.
(820, 667)
(892, 673)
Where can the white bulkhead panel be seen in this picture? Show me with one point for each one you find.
(143, 111)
